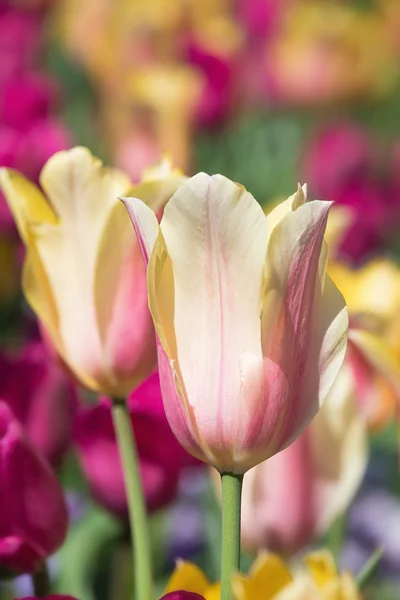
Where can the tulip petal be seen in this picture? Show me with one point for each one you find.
(292, 203)
(83, 193)
(338, 441)
(30, 208)
(215, 243)
(267, 577)
(304, 326)
(187, 576)
(145, 223)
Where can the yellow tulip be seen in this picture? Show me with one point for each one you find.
(371, 370)
(83, 273)
(270, 579)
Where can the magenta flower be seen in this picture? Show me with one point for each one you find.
(182, 595)
(341, 164)
(338, 153)
(216, 95)
(41, 397)
(26, 98)
(161, 457)
(20, 41)
(33, 513)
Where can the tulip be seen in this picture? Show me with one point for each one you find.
(295, 496)
(188, 576)
(33, 514)
(83, 269)
(251, 333)
(319, 581)
(41, 397)
(371, 371)
(160, 463)
(270, 578)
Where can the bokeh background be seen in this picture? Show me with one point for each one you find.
(266, 92)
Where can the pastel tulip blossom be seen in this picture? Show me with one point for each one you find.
(42, 397)
(295, 496)
(33, 513)
(251, 330)
(161, 463)
(83, 270)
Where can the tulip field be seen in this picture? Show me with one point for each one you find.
(199, 299)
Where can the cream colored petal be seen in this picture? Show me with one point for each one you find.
(294, 201)
(83, 193)
(26, 202)
(29, 207)
(340, 219)
(120, 277)
(145, 224)
(302, 588)
(216, 238)
(339, 448)
(304, 325)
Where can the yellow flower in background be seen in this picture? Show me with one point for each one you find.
(329, 52)
(83, 273)
(191, 578)
(271, 579)
(372, 363)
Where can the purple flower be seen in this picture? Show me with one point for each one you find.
(33, 513)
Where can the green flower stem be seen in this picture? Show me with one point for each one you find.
(136, 504)
(41, 581)
(231, 505)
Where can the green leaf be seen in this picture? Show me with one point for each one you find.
(81, 554)
(368, 571)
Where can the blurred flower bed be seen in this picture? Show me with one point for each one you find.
(268, 93)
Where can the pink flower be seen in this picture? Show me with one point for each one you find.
(341, 164)
(20, 42)
(216, 95)
(25, 99)
(161, 457)
(260, 18)
(41, 397)
(294, 497)
(338, 153)
(33, 514)
(28, 151)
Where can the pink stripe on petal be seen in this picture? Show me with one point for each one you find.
(145, 223)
